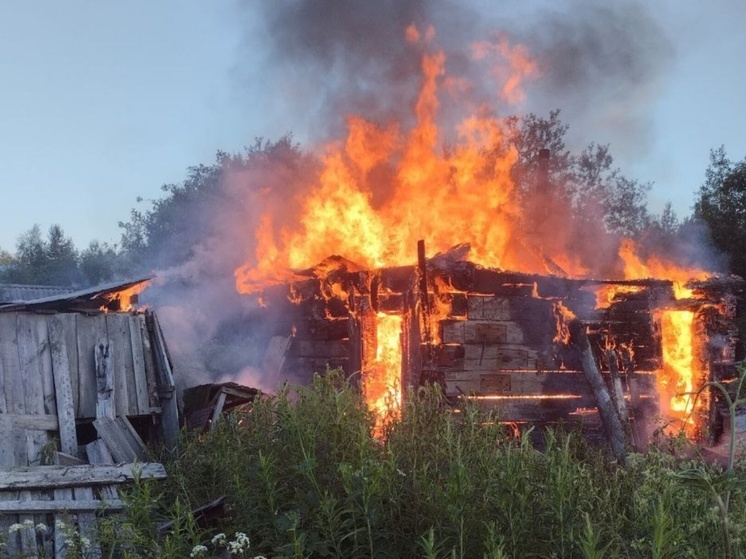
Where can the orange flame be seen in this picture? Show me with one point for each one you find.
(679, 368)
(381, 379)
(464, 194)
(654, 267)
(125, 299)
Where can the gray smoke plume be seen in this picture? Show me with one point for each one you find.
(602, 64)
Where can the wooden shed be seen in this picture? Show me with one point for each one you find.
(499, 338)
(86, 383)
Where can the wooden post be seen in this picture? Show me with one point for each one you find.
(104, 381)
(609, 416)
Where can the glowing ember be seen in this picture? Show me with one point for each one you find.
(678, 359)
(381, 379)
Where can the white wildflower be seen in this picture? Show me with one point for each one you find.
(15, 528)
(28, 523)
(198, 551)
(41, 528)
(218, 539)
(242, 539)
(59, 525)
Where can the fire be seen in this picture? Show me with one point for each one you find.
(381, 385)
(464, 193)
(126, 299)
(678, 359)
(636, 268)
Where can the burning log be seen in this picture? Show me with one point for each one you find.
(616, 383)
(609, 416)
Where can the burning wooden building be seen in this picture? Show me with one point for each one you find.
(501, 339)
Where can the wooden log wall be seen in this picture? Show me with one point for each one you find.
(495, 337)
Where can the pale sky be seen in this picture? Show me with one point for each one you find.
(102, 102)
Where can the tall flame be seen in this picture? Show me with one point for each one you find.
(464, 193)
(381, 379)
(678, 359)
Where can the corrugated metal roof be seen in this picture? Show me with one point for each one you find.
(19, 292)
(69, 296)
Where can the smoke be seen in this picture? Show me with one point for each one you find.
(602, 64)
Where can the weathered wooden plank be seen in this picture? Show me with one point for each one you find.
(45, 363)
(138, 364)
(532, 410)
(302, 368)
(117, 330)
(516, 383)
(324, 329)
(166, 387)
(55, 477)
(480, 307)
(91, 332)
(59, 505)
(62, 386)
(319, 348)
(105, 384)
(31, 421)
(33, 351)
(544, 383)
(6, 446)
(123, 443)
(87, 519)
(70, 344)
(150, 366)
(60, 547)
(98, 453)
(218, 410)
(487, 332)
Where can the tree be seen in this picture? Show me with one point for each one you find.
(99, 262)
(50, 261)
(721, 204)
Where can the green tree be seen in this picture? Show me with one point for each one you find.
(721, 204)
(44, 261)
(99, 263)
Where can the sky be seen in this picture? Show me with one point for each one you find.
(101, 103)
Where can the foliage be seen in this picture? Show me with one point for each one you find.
(721, 204)
(303, 477)
(54, 260)
(170, 231)
(594, 191)
(44, 261)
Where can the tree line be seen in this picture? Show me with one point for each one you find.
(598, 198)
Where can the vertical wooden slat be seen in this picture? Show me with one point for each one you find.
(33, 353)
(150, 370)
(105, 387)
(138, 364)
(62, 386)
(117, 329)
(91, 332)
(70, 333)
(14, 439)
(169, 405)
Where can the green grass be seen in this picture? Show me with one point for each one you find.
(304, 478)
